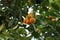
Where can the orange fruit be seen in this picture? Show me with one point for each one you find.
(29, 19)
(26, 21)
(32, 20)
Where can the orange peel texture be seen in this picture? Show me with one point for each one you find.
(32, 20)
(26, 21)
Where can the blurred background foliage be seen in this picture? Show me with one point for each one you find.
(47, 23)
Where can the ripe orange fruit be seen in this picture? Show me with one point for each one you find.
(26, 21)
(32, 20)
(29, 19)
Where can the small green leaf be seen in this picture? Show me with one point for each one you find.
(50, 38)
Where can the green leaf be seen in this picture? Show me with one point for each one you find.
(2, 27)
(57, 2)
(50, 38)
(35, 34)
(55, 6)
(40, 26)
(51, 1)
(21, 31)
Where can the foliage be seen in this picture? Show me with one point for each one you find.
(45, 27)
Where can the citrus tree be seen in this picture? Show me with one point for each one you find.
(29, 19)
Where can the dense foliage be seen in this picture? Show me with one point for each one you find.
(43, 22)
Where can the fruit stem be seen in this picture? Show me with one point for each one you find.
(34, 27)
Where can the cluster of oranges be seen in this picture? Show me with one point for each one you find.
(29, 19)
